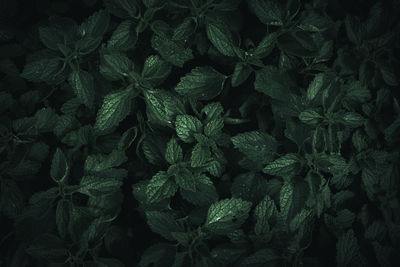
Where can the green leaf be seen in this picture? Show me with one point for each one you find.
(128, 137)
(269, 12)
(45, 120)
(163, 106)
(59, 169)
(202, 83)
(200, 155)
(95, 186)
(347, 249)
(273, 82)
(48, 247)
(62, 216)
(116, 106)
(124, 37)
(96, 25)
(226, 215)
(353, 29)
(155, 70)
(283, 166)
(42, 70)
(220, 36)
(352, 120)
(119, 63)
(256, 145)
(212, 111)
(310, 117)
(173, 154)
(204, 193)
(315, 86)
(184, 30)
(82, 83)
(162, 223)
(160, 187)
(184, 178)
(263, 257)
(186, 126)
(51, 37)
(214, 128)
(265, 47)
(241, 73)
(263, 212)
(173, 52)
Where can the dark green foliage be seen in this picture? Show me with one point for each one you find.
(200, 133)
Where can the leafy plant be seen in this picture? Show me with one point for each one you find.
(199, 133)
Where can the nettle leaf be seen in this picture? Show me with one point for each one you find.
(220, 36)
(214, 127)
(184, 178)
(116, 106)
(347, 249)
(269, 12)
(315, 86)
(310, 117)
(161, 186)
(63, 211)
(256, 145)
(42, 70)
(202, 83)
(95, 186)
(265, 47)
(163, 224)
(226, 215)
(185, 29)
(213, 111)
(155, 70)
(119, 63)
(163, 106)
(186, 126)
(204, 194)
(173, 154)
(283, 166)
(200, 155)
(263, 213)
(96, 25)
(273, 82)
(241, 73)
(173, 52)
(51, 37)
(82, 83)
(124, 37)
(59, 169)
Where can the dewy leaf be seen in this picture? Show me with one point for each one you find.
(173, 154)
(315, 86)
(172, 51)
(202, 83)
(346, 249)
(282, 166)
(83, 84)
(59, 169)
(256, 145)
(268, 12)
(226, 215)
(163, 106)
(124, 37)
(220, 36)
(273, 82)
(160, 187)
(115, 108)
(186, 126)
